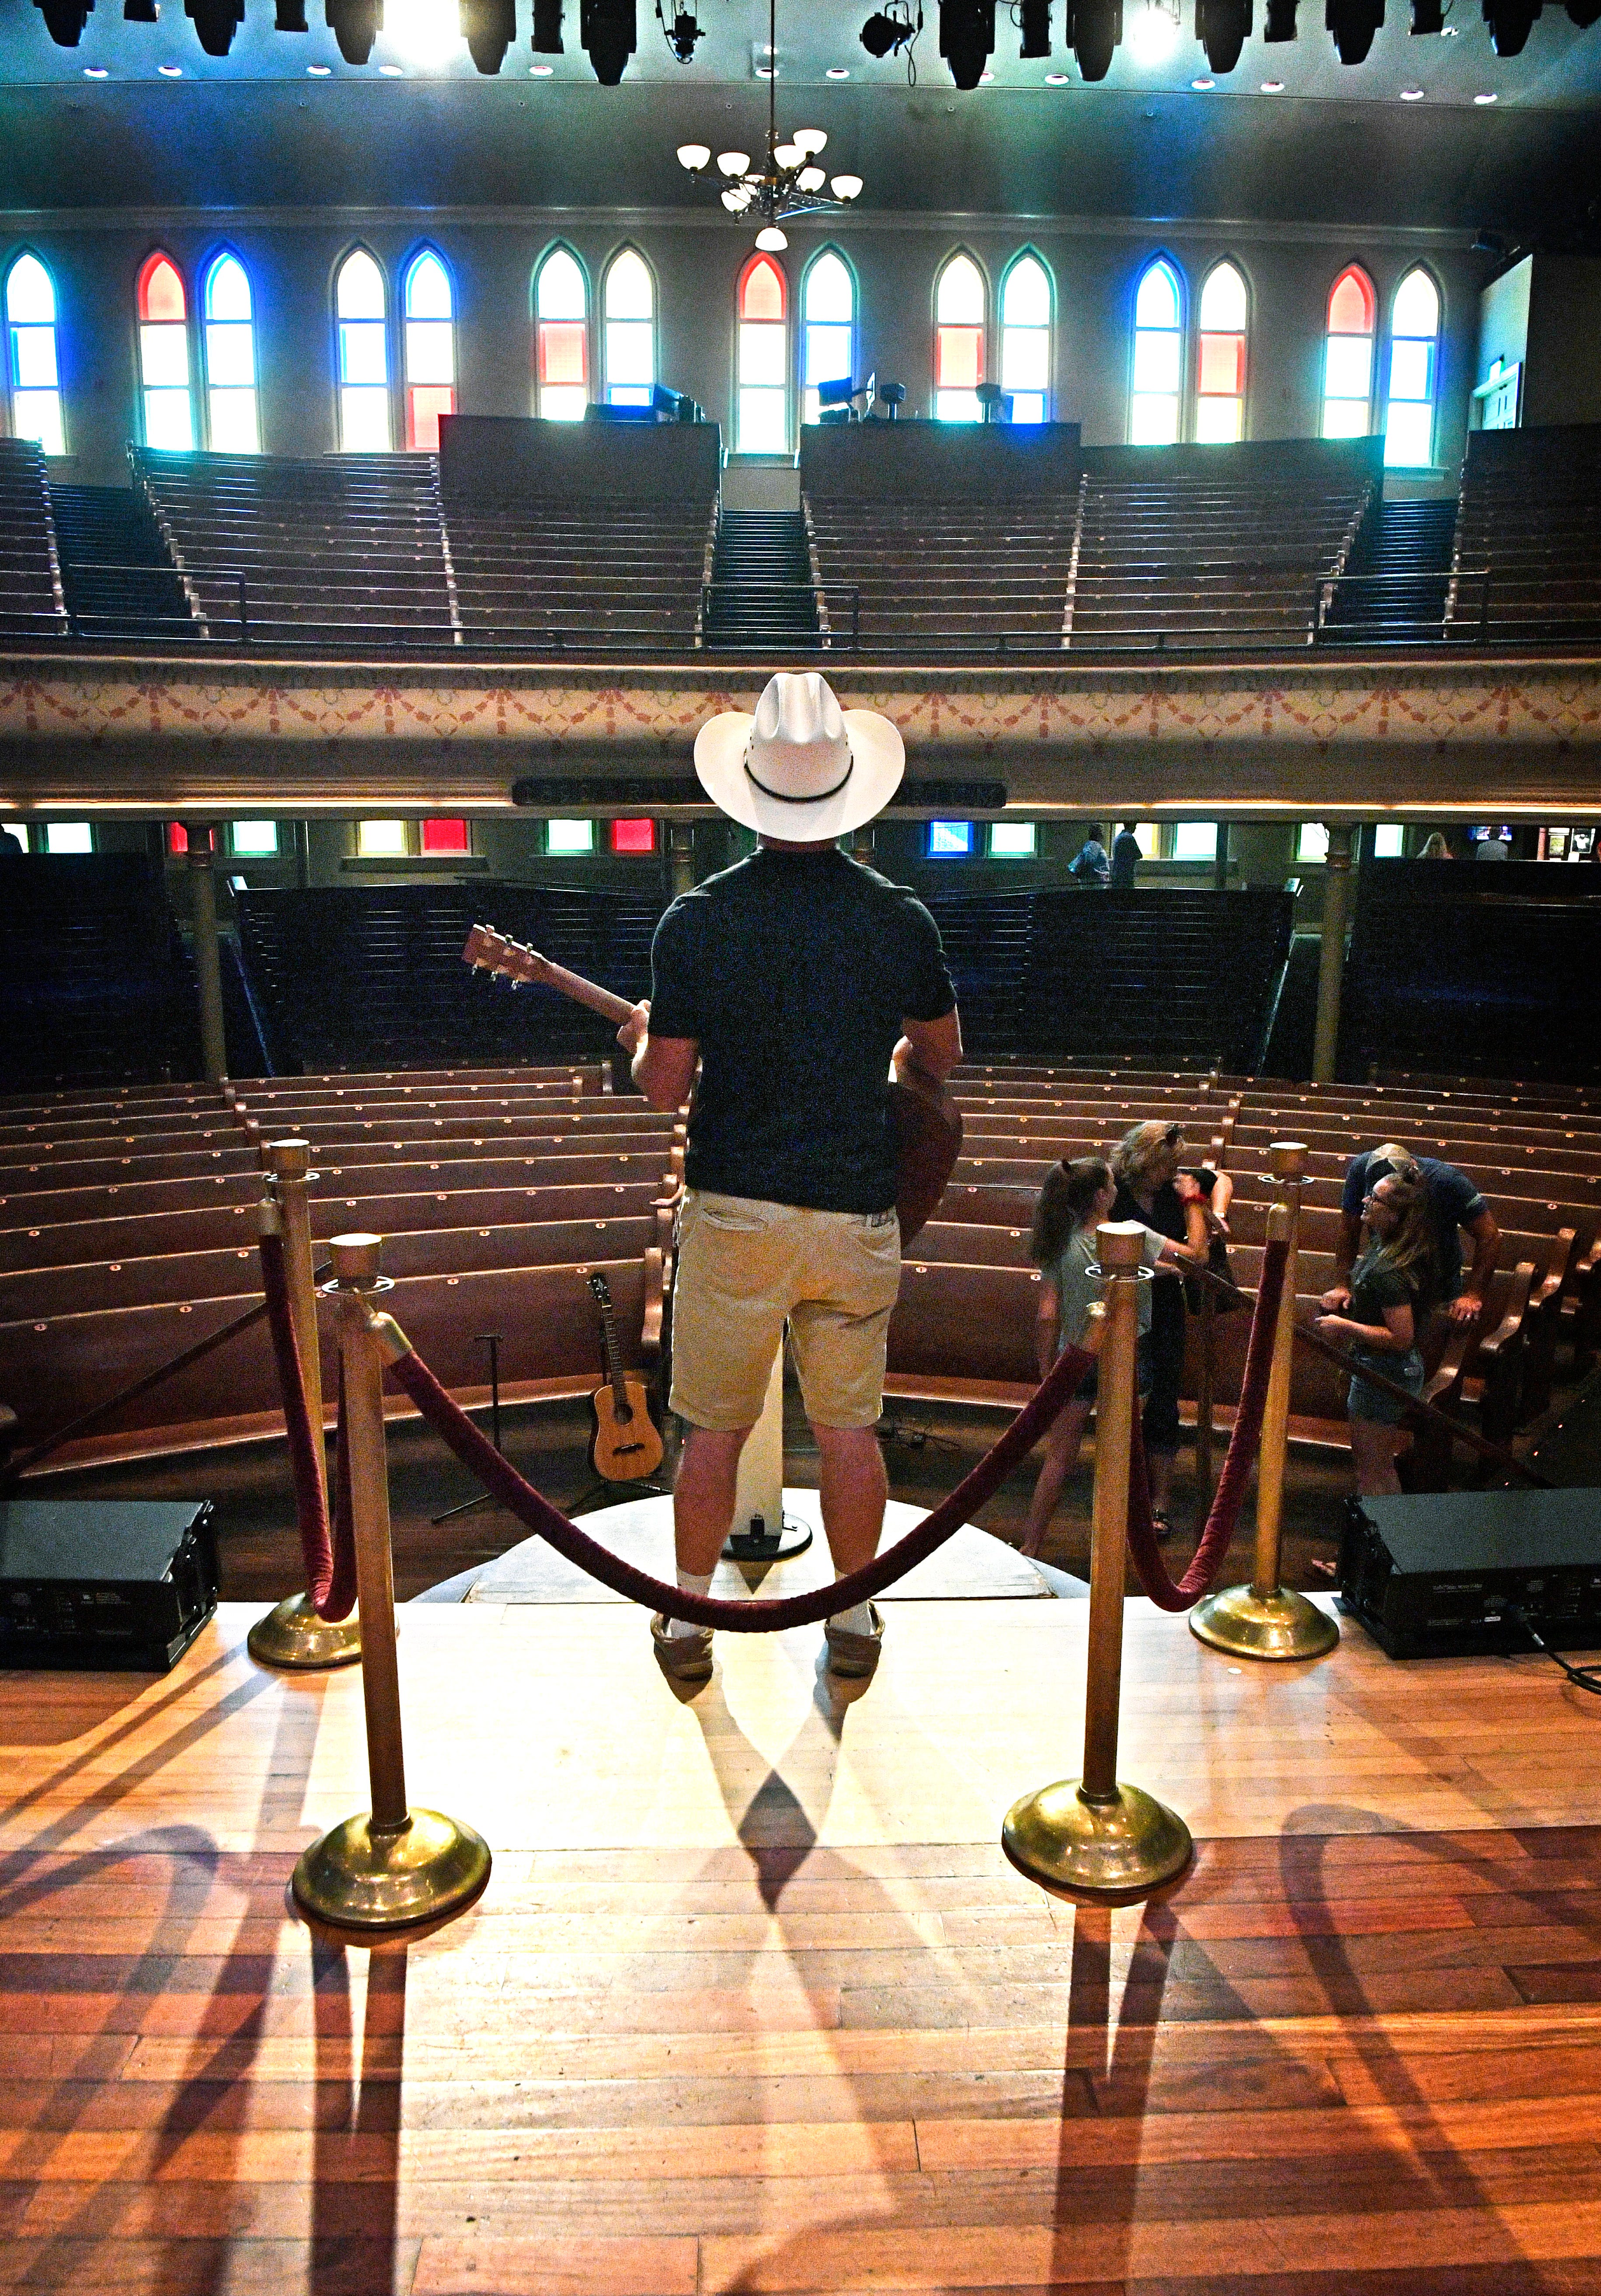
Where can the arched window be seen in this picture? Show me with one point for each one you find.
(763, 404)
(1158, 357)
(1221, 358)
(429, 350)
(1025, 360)
(1348, 357)
(35, 378)
(629, 303)
(164, 355)
(562, 338)
(232, 426)
(959, 315)
(828, 329)
(364, 357)
(1413, 353)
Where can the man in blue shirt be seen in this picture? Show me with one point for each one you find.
(1126, 859)
(1089, 865)
(1455, 1203)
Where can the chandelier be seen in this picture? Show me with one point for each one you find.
(790, 183)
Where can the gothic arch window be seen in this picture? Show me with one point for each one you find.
(827, 328)
(1414, 362)
(561, 337)
(762, 388)
(361, 308)
(1025, 339)
(163, 308)
(961, 313)
(32, 368)
(430, 309)
(1220, 357)
(228, 336)
(1158, 374)
(1348, 355)
(628, 301)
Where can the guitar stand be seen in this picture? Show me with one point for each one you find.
(616, 1494)
(490, 1340)
(757, 1543)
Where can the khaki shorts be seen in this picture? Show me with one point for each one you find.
(744, 1268)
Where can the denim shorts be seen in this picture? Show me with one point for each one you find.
(1085, 1392)
(1365, 1401)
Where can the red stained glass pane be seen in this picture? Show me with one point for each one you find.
(1222, 365)
(178, 837)
(762, 295)
(424, 405)
(1350, 306)
(161, 291)
(959, 358)
(633, 837)
(563, 350)
(444, 836)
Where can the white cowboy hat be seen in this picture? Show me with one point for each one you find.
(801, 768)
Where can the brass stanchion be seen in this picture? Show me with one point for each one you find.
(1266, 1619)
(393, 1866)
(1091, 1836)
(293, 1635)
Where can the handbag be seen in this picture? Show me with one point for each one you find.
(1217, 1263)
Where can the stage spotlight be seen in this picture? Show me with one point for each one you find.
(547, 29)
(289, 17)
(681, 30)
(488, 27)
(1034, 22)
(1280, 24)
(1509, 22)
(1353, 24)
(1427, 16)
(64, 20)
(1097, 30)
(966, 39)
(1584, 12)
(355, 25)
(608, 35)
(215, 23)
(1222, 28)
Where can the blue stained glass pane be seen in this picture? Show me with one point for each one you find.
(949, 840)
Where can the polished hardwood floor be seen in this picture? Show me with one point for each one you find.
(753, 2001)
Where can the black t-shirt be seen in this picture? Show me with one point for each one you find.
(793, 972)
(1168, 1217)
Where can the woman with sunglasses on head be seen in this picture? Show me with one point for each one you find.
(1190, 1204)
(1391, 1286)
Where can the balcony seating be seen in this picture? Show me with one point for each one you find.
(31, 601)
(555, 572)
(1530, 510)
(94, 985)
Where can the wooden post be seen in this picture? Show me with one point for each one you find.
(208, 961)
(1331, 962)
(681, 856)
(1220, 866)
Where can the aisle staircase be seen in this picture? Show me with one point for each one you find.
(761, 592)
(1393, 591)
(117, 576)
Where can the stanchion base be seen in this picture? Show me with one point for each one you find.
(356, 1879)
(1124, 1849)
(776, 1545)
(292, 1635)
(1249, 1625)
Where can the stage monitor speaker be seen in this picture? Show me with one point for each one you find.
(1433, 1575)
(105, 1584)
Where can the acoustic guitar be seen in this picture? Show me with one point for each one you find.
(625, 1445)
(928, 1123)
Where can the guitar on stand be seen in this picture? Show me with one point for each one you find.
(928, 1123)
(625, 1446)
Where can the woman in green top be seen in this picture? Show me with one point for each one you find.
(1389, 1290)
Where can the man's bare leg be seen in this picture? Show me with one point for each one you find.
(852, 1488)
(703, 1495)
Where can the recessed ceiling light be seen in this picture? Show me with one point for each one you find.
(319, 71)
(1411, 96)
(1056, 79)
(95, 71)
(1486, 98)
(1450, 31)
(1204, 83)
(540, 71)
(392, 71)
(170, 71)
(986, 75)
(1273, 88)
(837, 71)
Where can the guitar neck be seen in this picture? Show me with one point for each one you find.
(586, 992)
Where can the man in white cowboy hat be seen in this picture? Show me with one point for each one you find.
(796, 979)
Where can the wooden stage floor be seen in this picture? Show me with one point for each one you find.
(753, 2001)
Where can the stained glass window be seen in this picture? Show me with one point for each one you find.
(828, 331)
(1025, 361)
(164, 355)
(763, 404)
(429, 350)
(1414, 358)
(959, 324)
(35, 374)
(562, 338)
(630, 309)
(364, 357)
(1221, 358)
(1348, 357)
(1158, 357)
(232, 423)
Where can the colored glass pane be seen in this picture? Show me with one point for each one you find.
(161, 292)
(1351, 306)
(762, 296)
(444, 835)
(633, 836)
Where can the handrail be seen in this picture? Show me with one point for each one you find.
(198, 623)
(1452, 627)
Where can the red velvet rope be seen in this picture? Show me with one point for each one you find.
(329, 1557)
(497, 1475)
(1167, 1594)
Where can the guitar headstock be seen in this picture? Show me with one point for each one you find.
(601, 1290)
(491, 952)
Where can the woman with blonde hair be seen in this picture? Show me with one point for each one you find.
(1391, 1285)
(1190, 1205)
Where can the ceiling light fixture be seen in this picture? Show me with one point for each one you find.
(967, 38)
(1484, 99)
(1223, 26)
(541, 71)
(1411, 96)
(488, 27)
(1280, 24)
(891, 29)
(608, 33)
(288, 16)
(837, 71)
(681, 30)
(1428, 17)
(547, 29)
(215, 22)
(1353, 24)
(1034, 23)
(1154, 34)
(64, 20)
(318, 71)
(354, 24)
(1510, 22)
(1097, 30)
(1273, 88)
(95, 71)
(170, 71)
(789, 183)
(1202, 84)
(392, 71)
